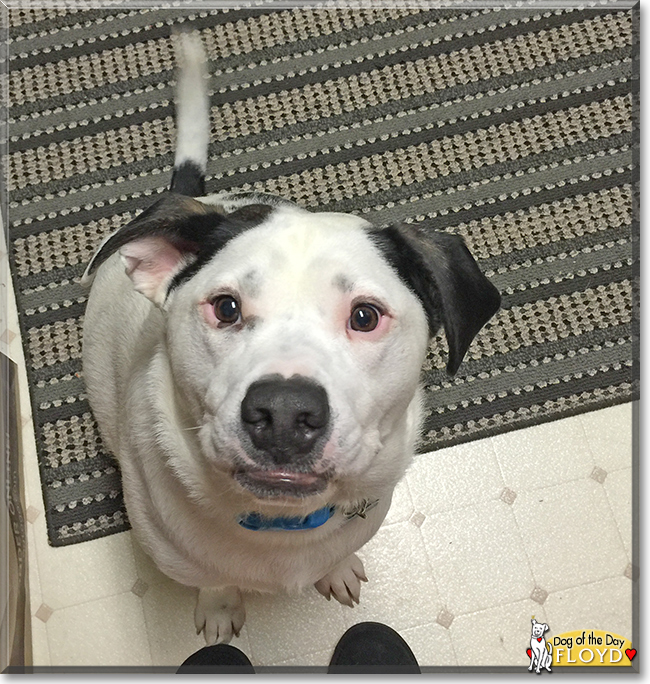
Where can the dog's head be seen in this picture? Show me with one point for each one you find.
(538, 628)
(296, 339)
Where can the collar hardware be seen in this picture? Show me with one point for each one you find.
(360, 509)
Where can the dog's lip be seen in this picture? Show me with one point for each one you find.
(281, 482)
(283, 476)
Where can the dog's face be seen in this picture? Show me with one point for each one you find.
(538, 628)
(301, 350)
(294, 340)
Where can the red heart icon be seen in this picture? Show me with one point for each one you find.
(529, 652)
(539, 638)
(630, 653)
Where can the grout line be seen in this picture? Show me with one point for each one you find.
(609, 503)
(92, 600)
(542, 605)
(505, 604)
(147, 626)
(431, 567)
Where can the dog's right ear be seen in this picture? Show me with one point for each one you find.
(159, 243)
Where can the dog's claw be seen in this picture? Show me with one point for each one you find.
(323, 589)
(219, 614)
(343, 582)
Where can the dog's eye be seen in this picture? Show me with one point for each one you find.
(226, 309)
(364, 318)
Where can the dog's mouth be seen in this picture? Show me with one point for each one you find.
(281, 483)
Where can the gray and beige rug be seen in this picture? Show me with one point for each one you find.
(514, 128)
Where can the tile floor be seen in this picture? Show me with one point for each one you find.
(480, 538)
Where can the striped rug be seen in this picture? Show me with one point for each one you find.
(513, 128)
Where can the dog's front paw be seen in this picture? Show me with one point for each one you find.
(344, 581)
(219, 614)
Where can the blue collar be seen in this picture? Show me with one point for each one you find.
(256, 521)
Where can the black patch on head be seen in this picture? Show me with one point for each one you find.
(341, 283)
(251, 284)
(233, 225)
(188, 179)
(412, 271)
(252, 322)
(254, 198)
(441, 271)
(252, 213)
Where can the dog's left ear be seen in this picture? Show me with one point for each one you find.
(159, 242)
(440, 270)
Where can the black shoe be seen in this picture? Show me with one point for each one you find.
(372, 648)
(219, 659)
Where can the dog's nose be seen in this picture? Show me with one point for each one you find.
(285, 417)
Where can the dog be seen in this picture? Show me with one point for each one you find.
(254, 367)
(539, 655)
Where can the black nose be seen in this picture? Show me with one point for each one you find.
(284, 417)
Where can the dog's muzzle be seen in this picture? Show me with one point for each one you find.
(287, 424)
(286, 418)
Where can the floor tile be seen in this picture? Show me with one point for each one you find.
(609, 435)
(600, 605)
(169, 615)
(146, 569)
(543, 455)
(401, 507)
(318, 659)
(570, 534)
(497, 636)
(282, 627)
(94, 569)
(477, 556)
(618, 487)
(40, 645)
(34, 577)
(431, 645)
(458, 476)
(110, 631)
(401, 590)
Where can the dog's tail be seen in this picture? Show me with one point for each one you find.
(192, 117)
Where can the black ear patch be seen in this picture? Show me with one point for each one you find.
(179, 219)
(443, 274)
(194, 228)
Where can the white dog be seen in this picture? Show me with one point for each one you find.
(540, 656)
(254, 367)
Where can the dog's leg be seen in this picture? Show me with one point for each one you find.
(219, 613)
(548, 660)
(344, 581)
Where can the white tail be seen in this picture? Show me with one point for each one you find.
(192, 116)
